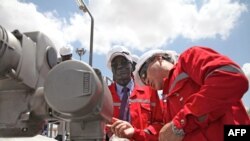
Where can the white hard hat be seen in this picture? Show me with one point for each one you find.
(135, 58)
(118, 51)
(172, 54)
(66, 50)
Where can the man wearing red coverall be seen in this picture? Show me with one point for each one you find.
(203, 92)
(143, 115)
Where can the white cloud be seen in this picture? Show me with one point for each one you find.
(139, 24)
(26, 18)
(246, 70)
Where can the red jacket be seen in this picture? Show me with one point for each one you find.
(203, 93)
(145, 111)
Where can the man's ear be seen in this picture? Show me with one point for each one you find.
(131, 67)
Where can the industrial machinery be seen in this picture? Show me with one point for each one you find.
(35, 89)
(77, 94)
(25, 60)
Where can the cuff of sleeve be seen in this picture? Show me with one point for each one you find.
(138, 134)
(152, 130)
(180, 120)
(184, 120)
(188, 122)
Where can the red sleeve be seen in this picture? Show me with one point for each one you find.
(156, 123)
(219, 88)
(141, 135)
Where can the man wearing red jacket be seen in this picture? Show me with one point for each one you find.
(203, 92)
(139, 110)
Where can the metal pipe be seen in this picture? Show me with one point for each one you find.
(84, 8)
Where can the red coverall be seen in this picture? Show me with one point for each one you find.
(145, 112)
(203, 93)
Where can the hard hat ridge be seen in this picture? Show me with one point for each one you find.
(118, 51)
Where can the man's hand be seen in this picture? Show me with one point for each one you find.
(122, 129)
(166, 134)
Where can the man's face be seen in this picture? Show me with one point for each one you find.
(122, 70)
(155, 71)
(155, 75)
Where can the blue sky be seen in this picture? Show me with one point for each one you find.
(140, 25)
